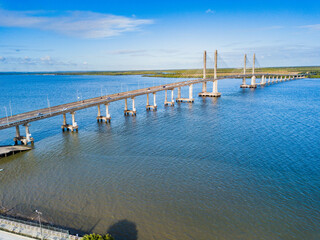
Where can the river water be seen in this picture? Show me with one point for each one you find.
(244, 166)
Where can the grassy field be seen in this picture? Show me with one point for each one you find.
(191, 73)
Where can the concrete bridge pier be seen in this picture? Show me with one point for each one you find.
(262, 81)
(277, 79)
(23, 140)
(204, 87)
(190, 99)
(65, 126)
(214, 92)
(101, 118)
(244, 84)
(280, 79)
(154, 106)
(272, 79)
(166, 102)
(253, 78)
(127, 111)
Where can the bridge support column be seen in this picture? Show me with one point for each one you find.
(101, 118)
(154, 106)
(23, 140)
(277, 79)
(99, 114)
(127, 111)
(190, 99)
(269, 80)
(263, 81)
(253, 78)
(244, 84)
(190, 91)
(171, 103)
(204, 87)
(272, 79)
(68, 127)
(285, 78)
(214, 92)
(64, 119)
(179, 94)
(126, 104)
(107, 118)
(16, 139)
(281, 79)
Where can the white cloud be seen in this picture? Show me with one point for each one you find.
(127, 51)
(82, 24)
(85, 63)
(46, 59)
(312, 27)
(210, 11)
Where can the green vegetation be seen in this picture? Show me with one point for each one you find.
(191, 73)
(94, 236)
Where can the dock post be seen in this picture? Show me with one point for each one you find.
(148, 99)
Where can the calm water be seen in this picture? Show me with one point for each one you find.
(244, 166)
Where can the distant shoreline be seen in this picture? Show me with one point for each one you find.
(182, 73)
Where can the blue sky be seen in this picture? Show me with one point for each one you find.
(133, 35)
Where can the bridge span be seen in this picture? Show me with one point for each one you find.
(24, 119)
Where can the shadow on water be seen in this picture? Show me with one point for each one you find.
(124, 230)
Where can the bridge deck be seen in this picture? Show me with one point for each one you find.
(39, 114)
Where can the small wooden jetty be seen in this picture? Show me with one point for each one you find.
(11, 150)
